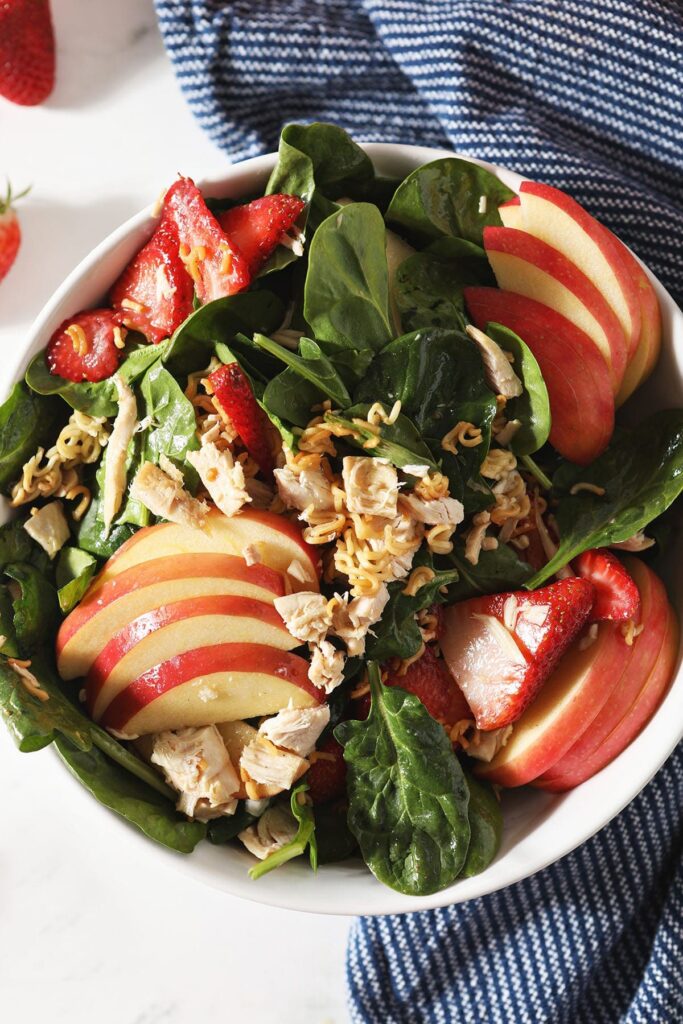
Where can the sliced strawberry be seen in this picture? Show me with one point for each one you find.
(154, 293)
(215, 266)
(256, 228)
(430, 680)
(10, 232)
(27, 51)
(616, 593)
(502, 648)
(84, 346)
(232, 391)
(326, 777)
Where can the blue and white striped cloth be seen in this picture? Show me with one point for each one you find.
(586, 95)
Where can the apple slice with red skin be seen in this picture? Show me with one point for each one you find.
(110, 604)
(647, 351)
(248, 680)
(576, 375)
(180, 626)
(637, 695)
(511, 213)
(569, 702)
(527, 266)
(554, 217)
(277, 539)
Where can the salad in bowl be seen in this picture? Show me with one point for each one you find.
(323, 532)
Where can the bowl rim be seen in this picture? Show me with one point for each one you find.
(295, 887)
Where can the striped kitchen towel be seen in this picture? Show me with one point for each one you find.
(588, 96)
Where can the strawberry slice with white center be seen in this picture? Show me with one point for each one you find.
(87, 346)
(154, 293)
(216, 267)
(616, 595)
(502, 648)
(257, 228)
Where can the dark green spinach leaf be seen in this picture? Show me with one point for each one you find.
(400, 442)
(10, 647)
(36, 610)
(486, 826)
(27, 422)
(496, 571)
(335, 839)
(448, 197)
(222, 830)
(428, 286)
(75, 569)
(337, 163)
(33, 723)
(311, 364)
(407, 793)
(532, 408)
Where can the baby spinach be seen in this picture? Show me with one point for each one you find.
(132, 799)
(194, 343)
(310, 363)
(35, 609)
(222, 830)
(96, 399)
(10, 646)
(288, 399)
(407, 792)
(486, 826)
(173, 428)
(532, 407)
(335, 840)
(304, 838)
(346, 297)
(75, 569)
(641, 472)
(33, 723)
(448, 197)
(90, 531)
(27, 422)
(497, 570)
(400, 442)
(17, 546)
(337, 164)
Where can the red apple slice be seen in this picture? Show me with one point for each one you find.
(637, 695)
(576, 375)
(177, 627)
(277, 540)
(650, 339)
(511, 213)
(110, 604)
(527, 266)
(569, 701)
(242, 681)
(556, 218)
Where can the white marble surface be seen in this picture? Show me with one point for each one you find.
(88, 931)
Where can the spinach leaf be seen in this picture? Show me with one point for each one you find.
(100, 398)
(17, 546)
(407, 793)
(10, 647)
(497, 570)
(90, 532)
(337, 163)
(641, 472)
(173, 430)
(194, 343)
(311, 364)
(33, 723)
(222, 830)
(428, 286)
(445, 198)
(135, 801)
(335, 839)
(304, 838)
(288, 399)
(397, 634)
(532, 408)
(346, 297)
(400, 442)
(27, 422)
(35, 609)
(350, 363)
(75, 569)
(486, 826)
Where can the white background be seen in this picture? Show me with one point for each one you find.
(88, 930)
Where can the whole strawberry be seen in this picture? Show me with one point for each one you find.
(10, 232)
(27, 51)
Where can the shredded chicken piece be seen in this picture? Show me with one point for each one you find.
(167, 498)
(48, 527)
(485, 745)
(296, 729)
(326, 670)
(638, 542)
(117, 451)
(439, 511)
(351, 620)
(303, 489)
(371, 486)
(222, 477)
(196, 763)
(305, 614)
(264, 763)
(276, 827)
(500, 376)
(416, 470)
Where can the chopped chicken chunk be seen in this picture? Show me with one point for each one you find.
(448, 511)
(305, 614)
(407, 534)
(170, 469)
(196, 763)
(416, 470)
(500, 376)
(326, 670)
(351, 622)
(252, 554)
(371, 486)
(167, 498)
(485, 745)
(117, 451)
(275, 828)
(222, 477)
(49, 528)
(309, 487)
(296, 729)
(266, 764)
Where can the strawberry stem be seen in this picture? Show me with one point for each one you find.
(11, 197)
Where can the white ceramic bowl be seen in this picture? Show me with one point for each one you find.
(539, 828)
